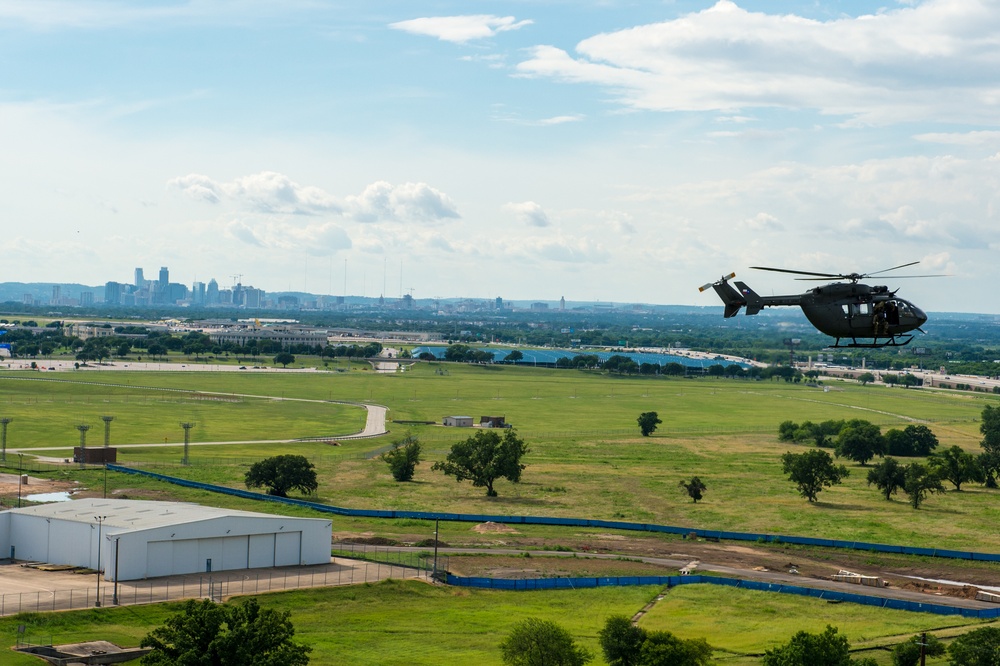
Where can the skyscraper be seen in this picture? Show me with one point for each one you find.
(164, 278)
(140, 281)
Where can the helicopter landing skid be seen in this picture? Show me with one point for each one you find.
(891, 341)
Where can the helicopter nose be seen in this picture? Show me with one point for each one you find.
(921, 317)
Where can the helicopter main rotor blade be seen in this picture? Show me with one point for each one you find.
(788, 270)
(886, 270)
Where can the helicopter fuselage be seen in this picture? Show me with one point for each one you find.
(842, 310)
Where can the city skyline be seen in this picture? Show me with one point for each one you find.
(602, 151)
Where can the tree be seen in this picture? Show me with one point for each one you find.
(908, 652)
(625, 644)
(860, 441)
(515, 355)
(922, 439)
(812, 471)
(662, 648)
(888, 476)
(957, 466)
(648, 422)
(535, 642)
(804, 649)
(919, 482)
(284, 358)
(484, 458)
(210, 634)
(280, 474)
(403, 458)
(694, 488)
(990, 458)
(980, 647)
(866, 378)
(621, 641)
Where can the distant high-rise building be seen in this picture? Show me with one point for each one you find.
(164, 278)
(562, 303)
(113, 292)
(28, 299)
(140, 281)
(86, 298)
(198, 293)
(56, 294)
(499, 303)
(212, 292)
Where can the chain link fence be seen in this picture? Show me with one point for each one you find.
(217, 586)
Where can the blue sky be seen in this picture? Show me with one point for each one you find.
(619, 151)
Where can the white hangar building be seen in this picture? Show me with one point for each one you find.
(142, 539)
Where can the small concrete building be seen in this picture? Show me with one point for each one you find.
(458, 421)
(135, 539)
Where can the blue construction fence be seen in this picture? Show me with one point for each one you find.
(572, 522)
(672, 581)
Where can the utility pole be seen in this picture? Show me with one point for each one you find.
(187, 439)
(107, 430)
(83, 428)
(3, 438)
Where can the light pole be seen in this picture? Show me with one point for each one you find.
(3, 437)
(83, 428)
(107, 430)
(187, 439)
(100, 522)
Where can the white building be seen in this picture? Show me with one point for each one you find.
(143, 539)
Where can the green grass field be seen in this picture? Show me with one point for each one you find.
(587, 459)
(413, 623)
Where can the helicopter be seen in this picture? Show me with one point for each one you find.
(855, 314)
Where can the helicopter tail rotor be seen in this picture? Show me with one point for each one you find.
(721, 281)
(732, 298)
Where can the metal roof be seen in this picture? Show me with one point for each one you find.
(136, 514)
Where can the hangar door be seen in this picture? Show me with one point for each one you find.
(184, 556)
(280, 549)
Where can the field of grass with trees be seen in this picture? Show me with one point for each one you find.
(587, 457)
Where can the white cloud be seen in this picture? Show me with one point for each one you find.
(529, 213)
(883, 68)
(460, 29)
(265, 192)
(272, 193)
(980, 138)
(417, 202)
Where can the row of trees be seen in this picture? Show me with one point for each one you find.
(860, 441)
(535, 642)
(127, 340)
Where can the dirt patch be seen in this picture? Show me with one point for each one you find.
(494, 528)
(513, 566)
(33, 486)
